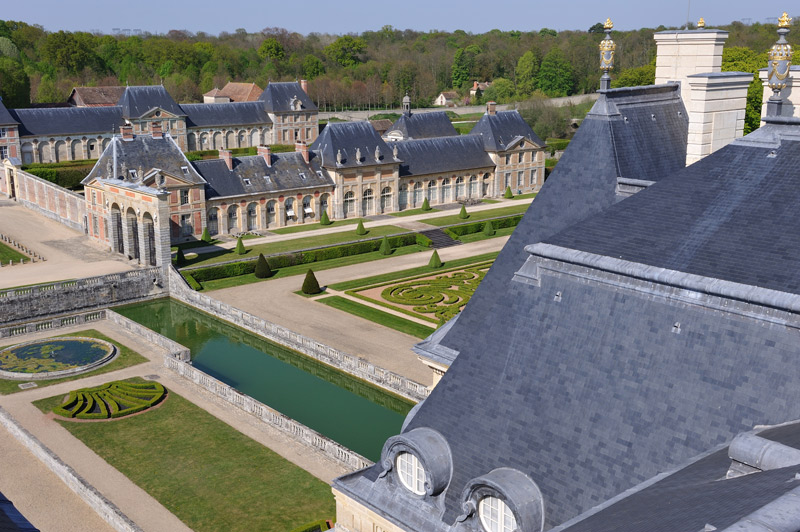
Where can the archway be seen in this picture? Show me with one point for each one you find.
(349, 204)
(324, 202)
(27, 153)
(117, 240)
(217, 141)
(233, 219)
(446, 190)
(430, 192)
(308, 211)
(212, 221)
(133, 234)
(417, 195)
(367, 202)
(291, 215)
(241, 140)
(460, 188)
(62, 151)
(386, 199)
(271, 212)
(252, 217)
(150, 239)
(94, 146)
(76, 150)
(473, 186)
(402, 199)
(191, 142)
(44, 152)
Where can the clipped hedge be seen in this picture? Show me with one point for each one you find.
(112, 400)
(476, 227)
(557, 144)
(316, 526)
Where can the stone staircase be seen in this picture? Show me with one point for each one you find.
(440, 239)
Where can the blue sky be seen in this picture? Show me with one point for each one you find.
(346, 16)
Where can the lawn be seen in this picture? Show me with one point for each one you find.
(195, 244)
(127, 357)
(413, 212)
(476, 216)
(464, 128)
(382, 318)
(285, 246)
(308, 226)
(476, 237)
(525, 196)
(8, 253)
(208, 474)
(301, 269)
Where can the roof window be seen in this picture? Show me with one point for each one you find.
(185, 170)
(302, 175)
(246, 182)
(267, 179)
(133, 174)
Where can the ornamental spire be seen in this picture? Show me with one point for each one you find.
(778, 66)
(701, 23)
(607, 48)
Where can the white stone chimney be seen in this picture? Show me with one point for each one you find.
(715, 100)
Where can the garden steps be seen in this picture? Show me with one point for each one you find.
(440, 239)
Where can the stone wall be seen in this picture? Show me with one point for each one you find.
(353, 365)
(30, 302)
(174, 349)
(106, 509)
(46, 198)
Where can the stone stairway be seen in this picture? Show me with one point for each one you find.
(440, 239)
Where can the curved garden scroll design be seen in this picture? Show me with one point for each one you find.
(111, 400)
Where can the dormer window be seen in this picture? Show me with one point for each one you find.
(246, 182)
(302, 175)
(185, 170)
(410, 472)
(267, 179)
(319, 173)
(133, 174)
(495, 515)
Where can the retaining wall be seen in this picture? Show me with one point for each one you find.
(51, 200)
(106, 509)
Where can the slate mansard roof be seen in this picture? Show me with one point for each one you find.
(499, 130)
(68, 120)
(137, 101)
(225, 114)
(424, 126)
(442, 155)
(347, 137)
(288, 171)
(5, 117)
(277, 97)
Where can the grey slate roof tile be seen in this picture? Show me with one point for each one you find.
(5, 117)
(68, 120)
(424, 125)
(349, 137)
(277, 97)
(442, 155)
(136, 101)
(225, 114)
(500, 129)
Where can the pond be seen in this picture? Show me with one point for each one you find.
(52, 357)
(345, 409)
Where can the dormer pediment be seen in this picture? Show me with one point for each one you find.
(520, 143)
(158, 113)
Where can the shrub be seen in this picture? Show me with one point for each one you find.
(435, 261)
(224, 270)
(507, 194)
(240, 246)
(180, 258)
(385, 248)
(360, 229)
(463, 214)
(316, 526)
(424, 241)
(324, 220)
(310, 284)
(425, 205)
(476, 227)
(192, 282)
(262, 270)
(488, 228)
(206, 237)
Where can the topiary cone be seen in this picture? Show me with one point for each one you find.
(425, 205)
(310, 284)
(324, 220)
(240, 246)
(180, 259)
(262, 268)
(386, 248)
(435, 261)
(360, 229)
(463, 214)
(507, 194)
(488, 228)
(206, 236)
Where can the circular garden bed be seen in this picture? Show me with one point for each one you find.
(55, 357)
(111, 400)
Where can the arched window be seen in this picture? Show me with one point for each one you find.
(460, 189)
(349, 203)
(233, 218)
(308, 212)
(411, 473)
(446, 190)
(367, 203)
(430, 191)
(289, 204)
(212, 222)
(252, 217)
(496, 516)
(386, 199)
(473, 186)
(417, 199)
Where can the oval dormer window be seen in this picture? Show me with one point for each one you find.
(496, 516)
(411, 472)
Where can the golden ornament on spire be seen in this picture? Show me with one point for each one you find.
(784, 21)
(701, 23)
(608, 25)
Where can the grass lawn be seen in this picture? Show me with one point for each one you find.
(468, 116)
(475, 237)
(312, 226)
(8, 254)
(464, 128)
(490, 201)
(525, 196)
(195, 244)
(413, 212)
(476, 216)
(208, 474)
(301, 269)
(127, 357)
(292, 245)
(382, 318)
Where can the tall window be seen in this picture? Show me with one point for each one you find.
(186, 224)
(520, 178)
(496, 516)
(95, 226)
(367, 202)
(430, 191)
(446, 190)
(508, 158)
(460, 187)
(473, 186)
(386, 199)
(418, 193)
(349, 203)
(507, 179)
(520, 157)
(3, 132)
(3, 152)
(184, 196)
(411, 473)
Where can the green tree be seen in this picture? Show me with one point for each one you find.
(501, 90)
(435, 261)
(68, 51)
(8, 48)
(324, 220)
(310, 284)
(597, 27)
(508, 194)
(15, 87)
(312, 67)
(488, 227)
(547, 32)
(634, 77)
(555, 74)
(345, 50)
(527, 72)
(740, 59)
(271, 50)
(180, 258)
(262, 268)
(360, 231)
(386, 247)
(206, 237)
(240, 246)
(425, 205)
(463, 213)
(463, 64)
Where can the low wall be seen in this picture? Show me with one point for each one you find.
(31, 302)
(174, 349)
(353, 365)
(51, 200)
(106, 509)
(52, 323)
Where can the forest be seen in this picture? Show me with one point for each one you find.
(371, 70)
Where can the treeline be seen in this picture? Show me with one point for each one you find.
(370, 70)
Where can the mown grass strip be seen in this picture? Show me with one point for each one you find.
(312, 226)
(8, 254)
(377, 316)
(475, 216)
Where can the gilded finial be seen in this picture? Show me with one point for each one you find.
(701, 23)
(784, 21)
(779, 63)
(607, 49)
(609, 25)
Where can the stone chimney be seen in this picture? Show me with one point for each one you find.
(156, 130)
(715, 101)
(127, 132)
(491, 108)
(226, 156)
(302, 147)
(304, 85)
(265, 152)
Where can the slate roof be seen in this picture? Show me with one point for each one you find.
(143, 153)
(424, 125)
(11, 520)
(225, 114)
(5, 117)
(348, 137)
(442, 155)
(277, 97)
(284, 174)
(136, 101)
(97, 96)
(68, 120)
(502, 128)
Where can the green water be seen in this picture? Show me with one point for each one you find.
(51, 355)
(349, 411)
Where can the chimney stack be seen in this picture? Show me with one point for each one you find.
(127, 132)
(156, 129)
(302, 147)
(266, 153)
(304, 85)
(226, 156)
(491, 108)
